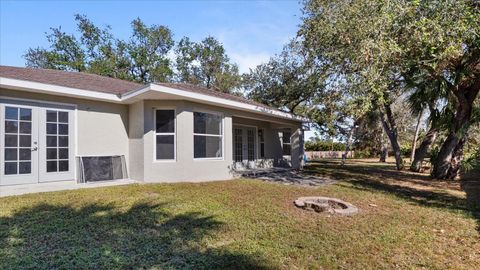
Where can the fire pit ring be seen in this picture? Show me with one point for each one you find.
(326, 204)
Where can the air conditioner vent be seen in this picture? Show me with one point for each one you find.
(101, 168)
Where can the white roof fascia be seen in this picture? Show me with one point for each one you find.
(56, 89)
(213, 100)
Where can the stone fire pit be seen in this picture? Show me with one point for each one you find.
(326, 204)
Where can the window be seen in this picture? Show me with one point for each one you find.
(261, 140)
(286, 143)
(165, 134)
(18, 141)
(207, 135)
(238, 142)
(57, 141)
(251, 144)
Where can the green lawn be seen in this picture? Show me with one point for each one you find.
(405, 221)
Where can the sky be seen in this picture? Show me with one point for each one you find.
(251, 31)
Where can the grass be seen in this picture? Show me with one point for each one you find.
(406, 221)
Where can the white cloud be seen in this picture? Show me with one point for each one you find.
(249, 60)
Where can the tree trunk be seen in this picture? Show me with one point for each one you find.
(349, 143)
(390, 127)
(451, 152)
(456, 161)
(415, 137)
(424, 148)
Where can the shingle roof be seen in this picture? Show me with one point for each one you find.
(94, 82)
(213, 93)
(78, 80)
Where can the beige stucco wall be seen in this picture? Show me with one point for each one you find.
(117, 129)
(185, 167)
(102, 128)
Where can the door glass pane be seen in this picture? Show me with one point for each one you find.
(11, 140)
(51, 153)
(63, 129)
(57, 158)
(25, 154)
(25, 114)
(51, 128)
(10, 168)
(63, 117)
(25, 167)
(63, 141)
(11, 154)
(51, 141)
(251, 144)
(63, 153)
(26, 127)
(63, 166)
(11, 127)
(51, 166)
(11, 113)
(17, 147)
(51, 116)
(25, 140)
(238, 145)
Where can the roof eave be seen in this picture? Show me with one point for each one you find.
(128, 97)
(212, 100)
(16, 84)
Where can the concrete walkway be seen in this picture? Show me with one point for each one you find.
(57, 186)
(288, 177)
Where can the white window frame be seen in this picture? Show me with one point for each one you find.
(261, 141)
(155, 160)
(58, 147)
(289, 143)
(222, 135)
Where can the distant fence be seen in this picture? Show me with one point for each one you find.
(313, 155)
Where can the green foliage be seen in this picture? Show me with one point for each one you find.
(389, 48)
(206, 63)
(321, 145)
(143, 58)
(285, 81)
(470, 163)
(406, 149)
(364, 154)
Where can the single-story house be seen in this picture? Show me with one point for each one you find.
(71, 126)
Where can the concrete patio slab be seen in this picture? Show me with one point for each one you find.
(289, 177)
(58, 186)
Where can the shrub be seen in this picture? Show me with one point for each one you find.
(324, 146)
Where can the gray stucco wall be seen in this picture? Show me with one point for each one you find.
(102, 128)
(117, 129)
(185, 167)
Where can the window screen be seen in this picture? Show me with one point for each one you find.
(286, 143)
(165, 134)
(261, 139)
(208, 135)
(102, 168)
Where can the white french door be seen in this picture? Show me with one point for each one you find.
(19, 158)
(244, 147)
(37, 143)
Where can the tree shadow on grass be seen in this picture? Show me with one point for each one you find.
(377, 178)
(100, 236)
